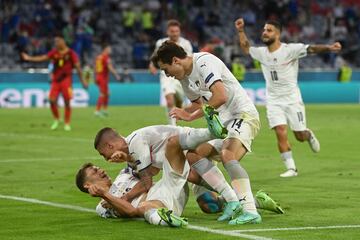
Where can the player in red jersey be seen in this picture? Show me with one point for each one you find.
(64, 60)
(103, 66)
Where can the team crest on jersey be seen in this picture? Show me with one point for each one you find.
(275, 59)
(197, 83)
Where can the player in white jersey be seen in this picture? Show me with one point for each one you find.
(153, 206)
(284, 104)
(170, 88)
(205, 77)
(158, 147)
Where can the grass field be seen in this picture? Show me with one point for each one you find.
(36, 163)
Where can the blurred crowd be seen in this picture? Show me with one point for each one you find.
(132, 27)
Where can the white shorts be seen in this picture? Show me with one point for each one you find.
(170, 85)
(172, 189)
(245, 128)
(292, 114)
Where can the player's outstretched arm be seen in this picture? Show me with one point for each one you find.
(244, 42)
(39, 58)
(321, 48)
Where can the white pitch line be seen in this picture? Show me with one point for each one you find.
(82, 209)
(58, 205)
(46, 159)
(227, 233)
(296, 228)
(42, 137)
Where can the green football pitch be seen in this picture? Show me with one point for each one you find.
(39, 200)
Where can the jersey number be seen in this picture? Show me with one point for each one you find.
(237, 123)
(274, 75)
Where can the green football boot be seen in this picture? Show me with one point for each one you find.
(213, 122)
(246, 217)
(231, 209)
(55, 125)
(67, 127)
(171, 219)
(267, 203)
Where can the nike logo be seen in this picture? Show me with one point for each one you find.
(242, 199)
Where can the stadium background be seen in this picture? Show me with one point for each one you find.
(132, 27)
(321, 203)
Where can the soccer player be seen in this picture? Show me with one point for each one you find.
(153, 146)
(171, 89)
(284, 104)
(153, 206)
(204, 77)
(103, 66)
(64, 60)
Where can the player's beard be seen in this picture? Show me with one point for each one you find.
(268, 42)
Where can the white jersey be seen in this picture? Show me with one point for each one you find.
(280, 69)
(182, 42)
(145, 143)
(208, 69)
(123, 183)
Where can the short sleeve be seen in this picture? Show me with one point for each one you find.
(51, 53)
(298, 50)
(139, 150)
(105, 212)
(255, 53)
(209, 69)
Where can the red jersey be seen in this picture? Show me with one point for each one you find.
(101, 67)
(63, 64)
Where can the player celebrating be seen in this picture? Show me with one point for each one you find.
(102, 67)
(64, 60)
(152, 206)
(284, 104)
(171, 89)
(205, 77)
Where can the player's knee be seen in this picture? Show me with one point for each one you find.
(67, 103)
(227, 155)
(173, 144)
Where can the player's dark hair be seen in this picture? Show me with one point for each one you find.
(81, 177)
(166, 52)
(106, 131)
(276, 24)
(104, 45)
(173, 22)
(59, 34)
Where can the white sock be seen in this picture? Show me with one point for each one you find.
(216, 180)
(152, 217)
(288, 160)
(243, 191)
(214, 177)
(193, 137)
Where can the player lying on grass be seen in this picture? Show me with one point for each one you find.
(150, 148)
(95, 181)
(153, 206)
